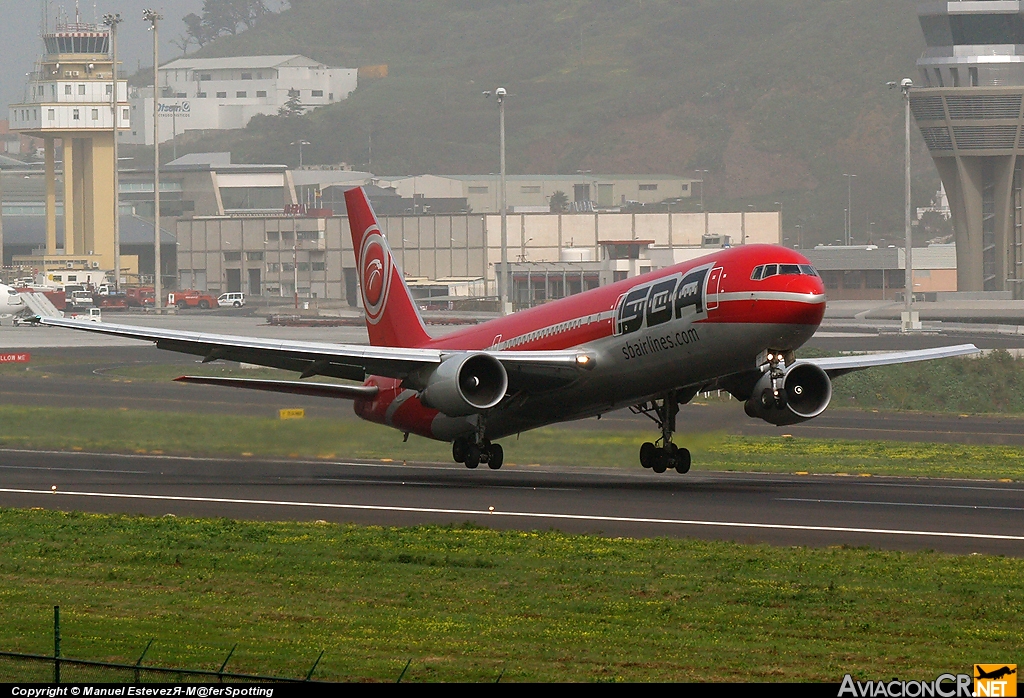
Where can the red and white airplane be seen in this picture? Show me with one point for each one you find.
(730, 321)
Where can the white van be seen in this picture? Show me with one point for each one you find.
(226, 300)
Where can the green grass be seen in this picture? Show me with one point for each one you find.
(125, 431)
(465, 603)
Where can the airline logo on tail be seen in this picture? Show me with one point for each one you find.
(376, 274)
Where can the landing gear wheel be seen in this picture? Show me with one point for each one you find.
(495, 457)
(472, 456)
(661, 461)
(682, 459)
(459, 448)
(648, 452)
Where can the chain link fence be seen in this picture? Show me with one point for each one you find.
(17, 667)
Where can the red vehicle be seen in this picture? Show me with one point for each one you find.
(140, 296)
(189, 298)
(114, 301)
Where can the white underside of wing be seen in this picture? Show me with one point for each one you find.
(355, 354)
(844, 364)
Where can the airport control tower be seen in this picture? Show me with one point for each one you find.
(68, 99)
(968, 104)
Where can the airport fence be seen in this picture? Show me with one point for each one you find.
(21, 667)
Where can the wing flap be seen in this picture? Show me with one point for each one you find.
(347, 392)
(310, 358)
(529, 371)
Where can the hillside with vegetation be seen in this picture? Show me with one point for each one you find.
(776, 98)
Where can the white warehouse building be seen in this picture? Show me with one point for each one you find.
(199, 94)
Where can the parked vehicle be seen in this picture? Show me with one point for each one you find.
(140, 296)
(189, 298)
(226, 300)
(80, 300)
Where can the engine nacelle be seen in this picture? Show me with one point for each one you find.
(806, 392)
(466, 384)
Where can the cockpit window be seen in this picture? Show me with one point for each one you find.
(767, 270)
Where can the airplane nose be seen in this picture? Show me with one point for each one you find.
(805, 284)
(810, 309)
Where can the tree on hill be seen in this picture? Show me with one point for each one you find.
(292, 107)
(223, 17)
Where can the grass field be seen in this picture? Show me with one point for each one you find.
(466, 603)
(123, 431)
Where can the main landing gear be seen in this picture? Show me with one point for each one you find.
(473, 454)
(663, 454)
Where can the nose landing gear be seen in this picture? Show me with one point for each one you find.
(663, 454)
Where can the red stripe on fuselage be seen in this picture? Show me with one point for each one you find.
(737, 264)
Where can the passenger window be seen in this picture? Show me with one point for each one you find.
(789, 269)
(770, 270)
(756, 274)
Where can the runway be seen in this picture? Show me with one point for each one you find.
(953, 516)
(956, 516)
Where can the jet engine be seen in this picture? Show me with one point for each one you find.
(466, 384)
(805, 393)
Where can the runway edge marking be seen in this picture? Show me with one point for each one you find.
(521, 514)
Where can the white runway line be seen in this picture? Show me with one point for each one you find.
(520, 514)
(899, 504)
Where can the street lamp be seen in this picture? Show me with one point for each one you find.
(909, 321)
(500, 94)
(849, 208)
(779, 204)
(300, 143)
(703, 174)
(799, 236)
(111, 21)
(154, 17)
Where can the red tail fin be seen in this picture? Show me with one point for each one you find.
(392, 318)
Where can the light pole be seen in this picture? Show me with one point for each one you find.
(153, 17)
(910, 322)
(295, 260)
(849, 208)
(702, 174)
(779, 204)
(799, 236)
(300, 143)
(111, 21)
(503, 290)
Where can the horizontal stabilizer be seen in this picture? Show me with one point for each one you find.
(344, 392)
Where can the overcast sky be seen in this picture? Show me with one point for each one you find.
(21, 46)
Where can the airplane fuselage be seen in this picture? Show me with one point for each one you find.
(685, 325)
(10, 300)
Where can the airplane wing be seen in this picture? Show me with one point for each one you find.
(741, 384)
(840, 365)
(530, 371)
